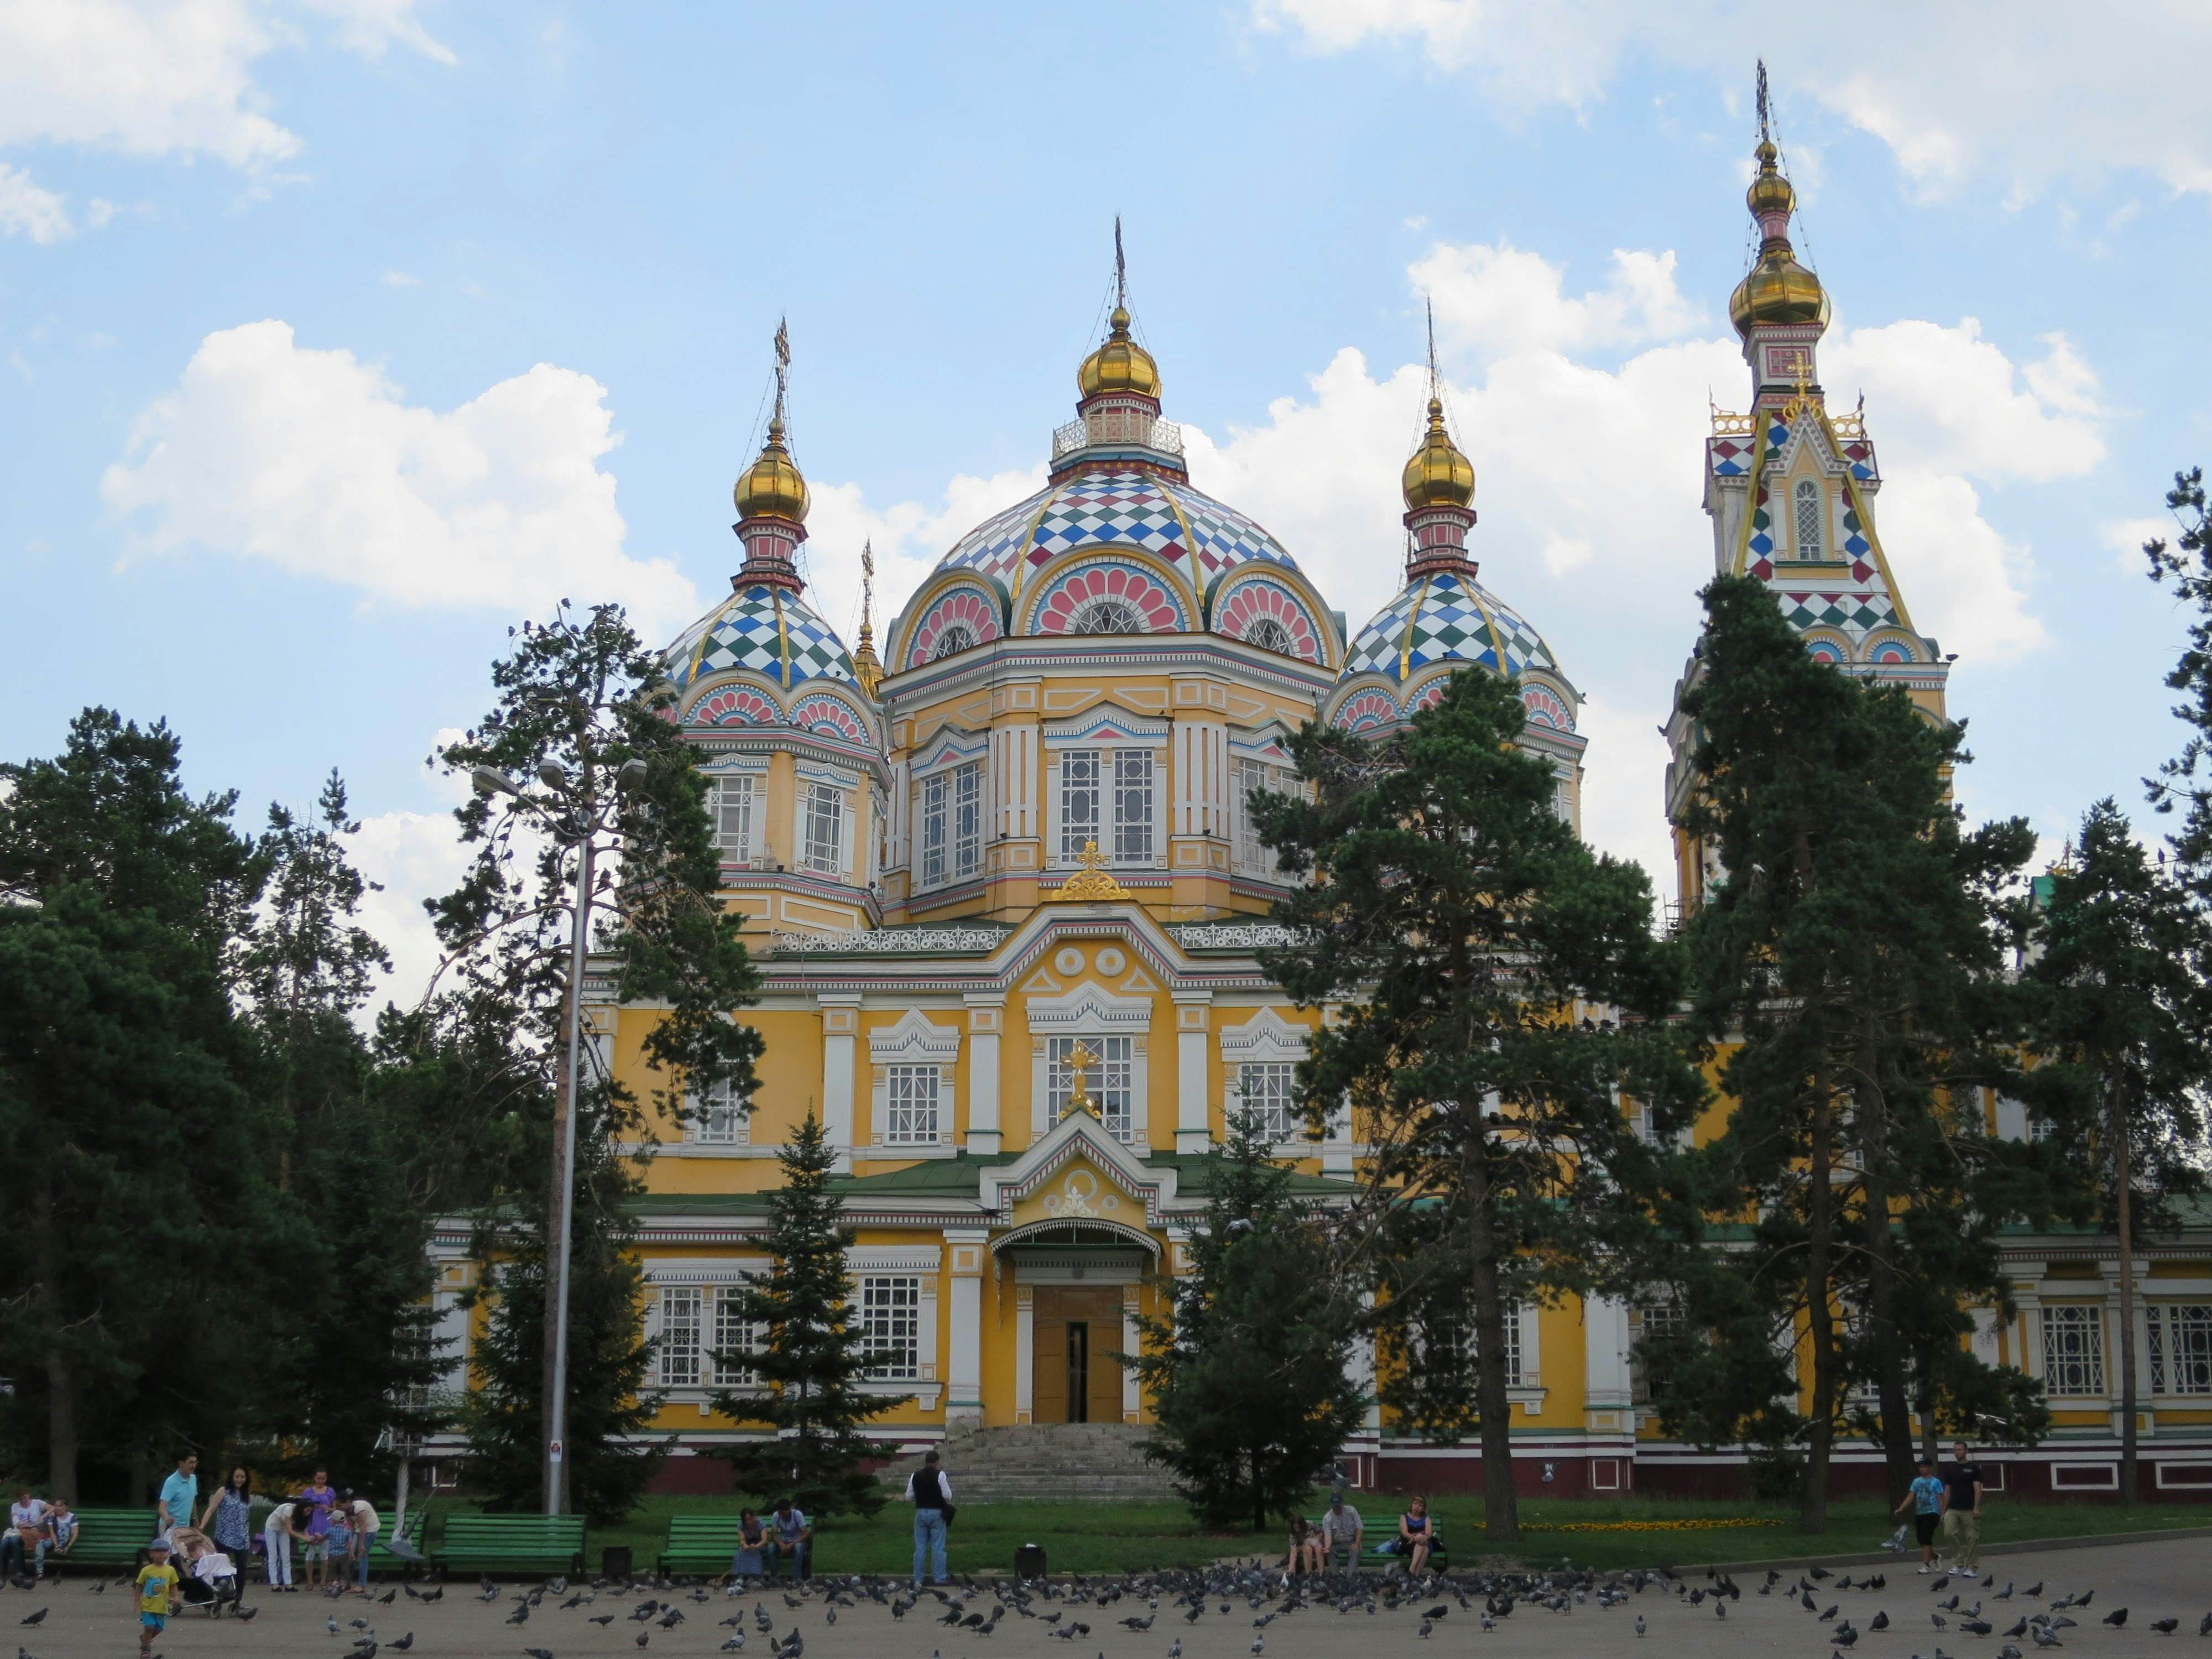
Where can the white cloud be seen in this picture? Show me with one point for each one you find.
(28, 210)
(2048, 91)
(2126, 537)
(312, 461)
(401, 279)
(1493, 301)
(170, 77)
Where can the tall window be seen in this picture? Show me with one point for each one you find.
(1252, 857)
(2074, 1348)
(734, 1336)
(910, 1105)
(1655, 1322)
(1107, 1082)
(718, 1116)
(733, 807)
(1079, 801)
(1268, 1090)
(1132, 806)
(678, 1352)
(1443, 1333)
(952, 825)
(2181, 1348)
(824, 851)
(890, 1323)
(1809, 518)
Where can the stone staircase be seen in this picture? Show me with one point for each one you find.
(1047, 1462)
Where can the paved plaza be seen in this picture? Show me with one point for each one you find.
(2165, 1579)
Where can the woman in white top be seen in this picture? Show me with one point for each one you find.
(277, 1535)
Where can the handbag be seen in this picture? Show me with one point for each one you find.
(948, 1512)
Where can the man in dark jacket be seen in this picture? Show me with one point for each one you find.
(930, 1491)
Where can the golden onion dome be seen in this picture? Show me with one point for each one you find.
(1438, 475)
(772, 487)
(1119, 364)
(1777, 290)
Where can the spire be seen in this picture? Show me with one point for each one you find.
(1778, 292)
(1120, 364)
(865, 668)
(1438, 482)
(771, 495)
(1121, 270)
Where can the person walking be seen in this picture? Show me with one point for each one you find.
(1925, 1499)
(180, 1496)
(930, 1492)
(228, 1520)
(1962, 1512)
(279, 1533)
(157, 1592)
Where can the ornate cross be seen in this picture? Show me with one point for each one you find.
(1080, 1060)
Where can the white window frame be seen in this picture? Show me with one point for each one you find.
(2074, 1350)
(888, 1309)
(1268, 1039)
(1800, 500)
(1089, 1013)
(717, 1117)
(1520, 1372)
(736, 844)
(915, 1042)
(731, 1334)
(1135, 800)
(1111, 1083)
(913, 1112)
(2180, 1338)
(1269, 1088)
(823, 801)
(949, 843)
(679, 1351)
(1080, 771)
(1129, 803)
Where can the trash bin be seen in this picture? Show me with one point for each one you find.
(615, 1561)
(1029, 1561)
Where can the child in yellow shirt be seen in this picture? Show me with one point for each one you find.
(157, 1594)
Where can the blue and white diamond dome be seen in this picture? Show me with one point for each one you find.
(765, 629)
(1443, 620)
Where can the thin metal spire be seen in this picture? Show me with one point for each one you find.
(1121, 269)
(1766, 135)
(1434, 380)
(867, 582)
(782, 362)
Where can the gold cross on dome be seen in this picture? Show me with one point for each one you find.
(1080, 1060)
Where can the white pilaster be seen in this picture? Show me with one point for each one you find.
(985, 1018)
(1606, 1386)
(963, 1373)
(1132, 1396)
(1025, 1353)
(840, 1025)
(1193, 1133)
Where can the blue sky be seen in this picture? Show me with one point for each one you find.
(340, 335)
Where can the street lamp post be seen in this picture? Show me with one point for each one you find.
(578, 794)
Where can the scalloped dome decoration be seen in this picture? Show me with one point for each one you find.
(1446, 617)
(1363, 713)
(958, 619)
(733, 705)
(1268, 615)
(832, 717)
(1116, 508)
(1110, 597)
(1427, 697)
(759, 630)
(1547, 707)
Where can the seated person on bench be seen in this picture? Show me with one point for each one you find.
(793, 1541)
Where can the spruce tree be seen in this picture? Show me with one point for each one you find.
(810, 1358)
(1854, 955)
(2120, 1033)
(1497, 981)
(1247, 1370)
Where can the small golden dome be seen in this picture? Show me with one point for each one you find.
(1438, 475)
(1119, 364)
(1770, 191)
(771, 488)
(1777, 290)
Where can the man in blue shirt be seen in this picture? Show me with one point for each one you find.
(180, 1496)
(1926, 1499)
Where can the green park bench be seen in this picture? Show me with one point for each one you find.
(700, 1543)
(382, 1558)
(1375, 1555)
(511, 1543)
(106, 1538)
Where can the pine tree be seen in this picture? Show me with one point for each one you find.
(1854, 953)
(810, 1359)
(1247, 1373)
(2120, 1029)
(1480, 952)
(580, 698)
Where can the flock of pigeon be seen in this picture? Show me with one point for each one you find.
(1096, 1609)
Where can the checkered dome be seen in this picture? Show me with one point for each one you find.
(763, 630)
(1102, 508)
(1446, 617)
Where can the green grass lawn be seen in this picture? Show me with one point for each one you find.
(1113, 1537)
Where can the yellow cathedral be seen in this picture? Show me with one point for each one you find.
(1006, 902)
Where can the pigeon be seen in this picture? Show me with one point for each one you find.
(1830, 1614)
(1258, 1644)
(2009, 1652)
(2205, 1629)
(1844, 1635)
(1939, 1621)
(1427, 1627)
(333, 1624)
(387, 1598)
(1145, 1623)
(603, 1619)
(539, 1653)
(1639, 1624)
(644, 1637)
(1436, 1611)
(37, 1617)
(246, 1615)
(1175, 1649)
(2116, 1617)
(2043, 1638)
(521, 1613)
(2017, 1632)
(403, 1643)
(1880, 1621)
(1976, 1627)
(2166, 1627)
(2034, 1591)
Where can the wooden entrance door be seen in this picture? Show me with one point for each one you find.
(1074, 1377)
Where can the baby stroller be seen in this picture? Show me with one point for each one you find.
(210, 1580)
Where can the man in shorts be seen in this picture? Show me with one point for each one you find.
(157, 1594)
(1962, 1512)
(1925, 1499)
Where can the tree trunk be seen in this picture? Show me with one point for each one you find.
(556, 1269)
(2117, 1129)
(1887, 1348)
(61, 1380)
(1812, 1512)
(1501, 1506)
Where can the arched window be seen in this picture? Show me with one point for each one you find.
(1809, 519)
(1269, 634)
(955, 638)
(1107, 615)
